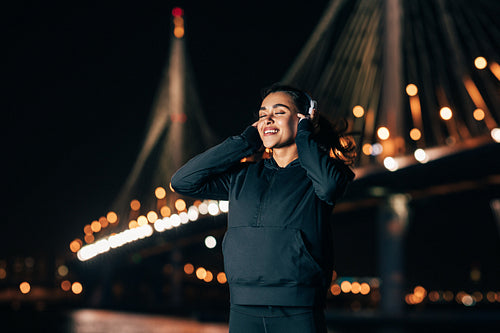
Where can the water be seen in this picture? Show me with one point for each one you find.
(105, 321)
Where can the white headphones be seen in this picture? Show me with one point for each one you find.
(312, 104)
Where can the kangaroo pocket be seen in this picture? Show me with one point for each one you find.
(268, 256)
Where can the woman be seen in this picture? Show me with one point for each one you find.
(277, 248)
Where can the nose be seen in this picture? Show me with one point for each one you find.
(269, 119)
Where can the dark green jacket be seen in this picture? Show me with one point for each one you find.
(277, 248)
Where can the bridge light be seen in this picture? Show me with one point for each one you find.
(358, 111)
(411, 89)
(112, 217)
(177, 13)
(383, 133)
(445, 113)
(135, 205)
(480, 63)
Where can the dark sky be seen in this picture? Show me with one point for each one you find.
(79, 81)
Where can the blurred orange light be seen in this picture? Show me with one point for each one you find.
(62, 270)
(112, 217)
(478, 114)
(365, 288)
(358, 111)
(76, 288)
(142, 220)
(95, 226)
(335, 289)
(490, 296)
(170, 187)
(3, 273)
(420, 291)
(165, 211)
(383, 133)
(201, 273)
(188, 269)
(89, 239)
(25, 287)
(152, 216)
(415, 134)
(477, 296)
(75, 245)
(367, 149)
(355, 287)
(480, 63)
(180, 205)
(434, 296)
(448, 296)
(445, 113)
(411, 89)
(179, 32)
(345, 286)
(178, 21)
(209, 277)
(87, 229)
(133, 224)
(66, 285)
(160, 193)
(221, 278)
(135, 204)
(104, 222)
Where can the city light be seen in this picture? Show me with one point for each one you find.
(160, 193)
(135, 205)
(24, 287)
(210, 242)
(201, 273)
(358, 111)
(112, 217)
(411, 89)
(495, 134)
(62, 270)
(76, 288)
(480, 63)
(180, 205)
(390, 164)
(367, 149)
(188, 268)
(421, 156)
(221, 278)
(445, 113)
(478, 114)
(415, 134)
(383, 133)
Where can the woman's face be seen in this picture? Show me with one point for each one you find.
(278, 120)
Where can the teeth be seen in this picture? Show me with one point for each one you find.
(270, 131)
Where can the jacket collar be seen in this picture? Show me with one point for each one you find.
(271, 164)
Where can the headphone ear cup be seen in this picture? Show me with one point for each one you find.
(312, 106)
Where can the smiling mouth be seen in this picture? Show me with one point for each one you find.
(270, 132)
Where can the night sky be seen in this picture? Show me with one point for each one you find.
(79, 81)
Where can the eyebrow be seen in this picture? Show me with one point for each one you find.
(275, 106)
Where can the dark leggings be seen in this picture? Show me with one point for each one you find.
(276, 319)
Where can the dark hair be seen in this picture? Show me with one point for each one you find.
(330, 135)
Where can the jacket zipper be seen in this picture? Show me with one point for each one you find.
(264, 199)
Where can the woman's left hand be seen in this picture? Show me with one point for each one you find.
(311, 116)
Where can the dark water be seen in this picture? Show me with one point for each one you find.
(104, 321)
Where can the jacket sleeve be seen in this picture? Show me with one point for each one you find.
(207, 174)
(329, 176)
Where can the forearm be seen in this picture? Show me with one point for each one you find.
(205, 174)
(329, 176)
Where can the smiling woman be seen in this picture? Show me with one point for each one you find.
(280, 205)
